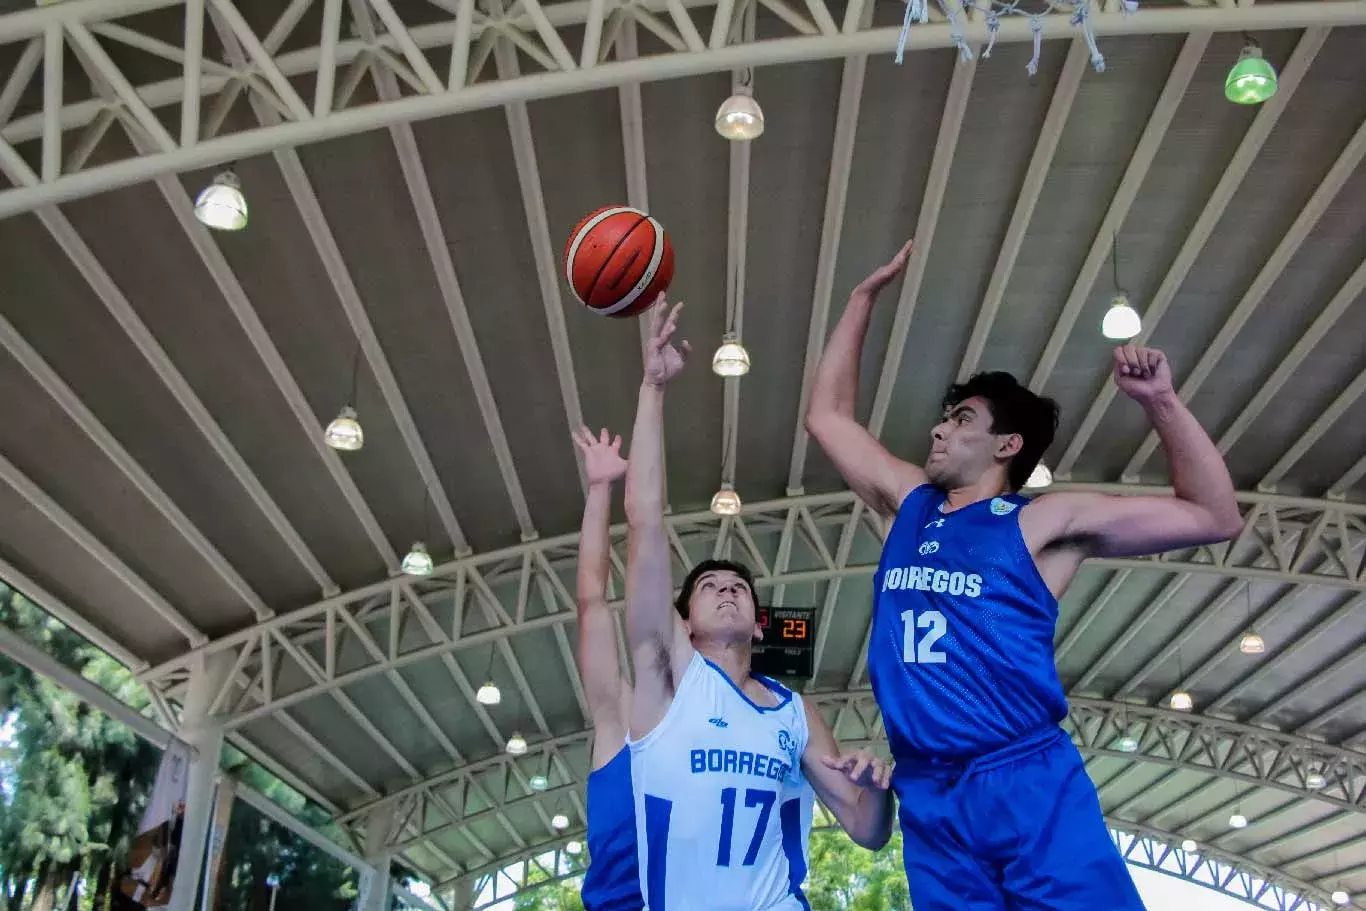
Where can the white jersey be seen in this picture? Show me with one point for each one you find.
(723, 810)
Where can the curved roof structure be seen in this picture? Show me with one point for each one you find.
(413, 167)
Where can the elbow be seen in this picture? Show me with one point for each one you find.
(1230, 526)
(818, 419)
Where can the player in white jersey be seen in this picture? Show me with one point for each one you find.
(723, 761)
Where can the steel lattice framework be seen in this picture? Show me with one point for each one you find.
(135, 91)
(339, 63)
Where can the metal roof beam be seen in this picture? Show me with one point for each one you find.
(1322, 424)
(827, 256)
(97, 550)
(305, 128)
(1343, 168)
(1134, 174)
(1229, 181)
(538, 228)
(936, 183)
(85, 419)
(438, 250)
(1040, 162)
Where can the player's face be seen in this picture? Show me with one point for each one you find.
(962, 446)
(721, 606)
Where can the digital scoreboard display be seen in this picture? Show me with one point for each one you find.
(789, 641)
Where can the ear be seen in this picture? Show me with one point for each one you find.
(758, 633)
(1010, 446)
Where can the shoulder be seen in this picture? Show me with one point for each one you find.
(1051, 518)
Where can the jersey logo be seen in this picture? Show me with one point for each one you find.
(788, 746)
(1001, 507)
(929, 547)
(935, 523)
(718, 721)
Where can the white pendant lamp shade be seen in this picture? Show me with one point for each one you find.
(221, 205)
(489, 694)
(726, 502)
(731, 359)
(345, 433)
(1121, 321)
(417, 562)
(740, 118)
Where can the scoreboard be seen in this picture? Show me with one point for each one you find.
(788, 644)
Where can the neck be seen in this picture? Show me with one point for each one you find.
(733, 658)
(991, 484)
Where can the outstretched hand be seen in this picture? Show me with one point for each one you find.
(664, 360)
(1142, 374)
(862, 768)
(602, 459)
(880, 279)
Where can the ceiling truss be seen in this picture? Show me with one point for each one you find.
(259, 68)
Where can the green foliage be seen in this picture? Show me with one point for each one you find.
(842, 877)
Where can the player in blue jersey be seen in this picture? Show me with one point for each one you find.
(996, 809)
(723, 761)
(612, 882)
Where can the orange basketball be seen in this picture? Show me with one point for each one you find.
(617, 261)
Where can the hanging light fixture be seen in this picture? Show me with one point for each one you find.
(731, 359)
(1182, 701)
(516, 745)
(345, 433)
(1237, 821)
(1315, 780)
(1251, 80)
(1252, 643)
(1040, 476)
(417, 562)
(221, 205)
(1340, 897)
(573, 847)
(740, 118)
(538, 782)
(559, 821)
(1121, 321)
(1127, 744)
(489, 694)
(1189, 845)
(726, 502)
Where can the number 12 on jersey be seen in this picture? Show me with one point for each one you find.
(922, 651)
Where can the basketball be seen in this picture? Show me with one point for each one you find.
(617, 261)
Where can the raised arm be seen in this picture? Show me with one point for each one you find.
(656, 630)
(1203, 508)
(879, 478)
(853, 786)
(599, 668)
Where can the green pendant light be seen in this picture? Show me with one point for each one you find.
(1252, 80)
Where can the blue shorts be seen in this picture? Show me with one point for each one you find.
(1017, 830)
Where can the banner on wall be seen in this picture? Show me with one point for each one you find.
(156, 849)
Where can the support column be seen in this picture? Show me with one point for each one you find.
(374, 893)
(462, 895)
(204, 735)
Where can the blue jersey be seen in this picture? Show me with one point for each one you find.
(961, 651)
(612, 882)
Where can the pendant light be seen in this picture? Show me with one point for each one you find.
(1252, 79)
(1121, 321)
(573, 847)
(345, 433)
(731, 359)
(726, 502)
(417, 562)
(516, 745)
(489, 694)
(1252, 643)
(538, 782)
(740, 119)
(1189, 846)
(560, 821)
(1040, 476)
(221, 205)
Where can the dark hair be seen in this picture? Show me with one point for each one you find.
(708, 566)
(1014, 409)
